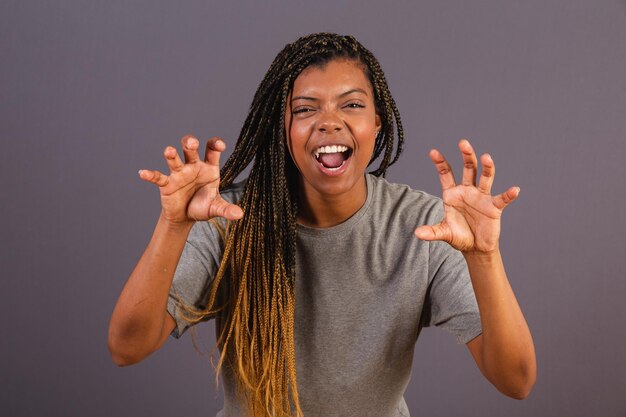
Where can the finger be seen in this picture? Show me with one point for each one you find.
(436, 232)
(214, 148)
(190, 149)
(222, 208)
(504, 199)
(443, 168)
(173, 160)
(487, 175)
(470, 163)
(155, 177)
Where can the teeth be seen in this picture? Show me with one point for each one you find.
(330, 149)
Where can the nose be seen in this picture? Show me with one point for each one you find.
(330, 123)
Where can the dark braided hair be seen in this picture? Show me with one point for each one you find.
(257, 321)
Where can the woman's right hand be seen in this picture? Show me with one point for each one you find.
(191, 192)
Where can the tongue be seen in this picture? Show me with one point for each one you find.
(331, 160)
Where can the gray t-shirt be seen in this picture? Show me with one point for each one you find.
(364, 290)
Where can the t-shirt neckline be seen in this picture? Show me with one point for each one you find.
(349, 223)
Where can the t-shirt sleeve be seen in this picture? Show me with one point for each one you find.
(195, 271)
(450, 300)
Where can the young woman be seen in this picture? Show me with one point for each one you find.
(320, 275)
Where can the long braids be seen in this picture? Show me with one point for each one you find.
(258, 270)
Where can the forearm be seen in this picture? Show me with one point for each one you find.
(138, 318)
(508, 354)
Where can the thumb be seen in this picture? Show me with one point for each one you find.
(222, 208)
(233, 212)
(436, 232)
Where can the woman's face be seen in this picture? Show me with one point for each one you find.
(331, 126)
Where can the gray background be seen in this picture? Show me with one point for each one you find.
(91, 92)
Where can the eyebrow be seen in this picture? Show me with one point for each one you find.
(354, 90)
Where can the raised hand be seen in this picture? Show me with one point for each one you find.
(191, 191)
(472, 215)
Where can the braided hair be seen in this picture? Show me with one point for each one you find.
(258, 270)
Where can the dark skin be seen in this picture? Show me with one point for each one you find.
(332, 105)
(505, 351)
(140, 323)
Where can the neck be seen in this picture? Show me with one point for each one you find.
(323, 210)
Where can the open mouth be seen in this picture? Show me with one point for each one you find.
(333, 157)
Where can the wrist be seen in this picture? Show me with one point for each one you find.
(175, 225)
(482, 257)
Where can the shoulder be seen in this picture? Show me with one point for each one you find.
(393, 199)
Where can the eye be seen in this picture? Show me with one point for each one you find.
(299, 110)
(355, 106)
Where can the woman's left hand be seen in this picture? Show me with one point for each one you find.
(472, 215)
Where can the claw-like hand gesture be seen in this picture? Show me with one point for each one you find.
(191, 192)
(472, 214)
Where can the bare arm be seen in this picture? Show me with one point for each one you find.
(505, 351)
(140, 322)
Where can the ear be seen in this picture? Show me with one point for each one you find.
(379, 123)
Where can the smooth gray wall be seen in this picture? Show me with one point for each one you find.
(92, 91)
